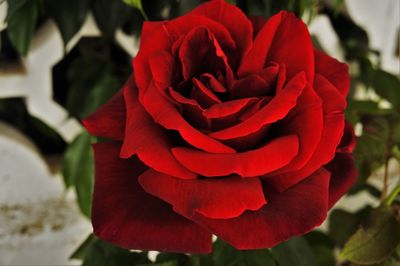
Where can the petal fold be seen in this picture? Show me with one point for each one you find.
(214, 198)
(125, 215)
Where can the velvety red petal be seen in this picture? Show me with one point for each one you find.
(255, 60)
(305, 120)
(250, 86)
(165, 113)
(268, 158)
(109, 120)
(154, 38)
(293, 212)
(125, 215)
(203, 95)
(160, 36)
(275, 110)
(147, 139)
(191, 110)
(343, 176)
(333, 107)
(232, 18)
(200, 52)
(336, 72)
(292, 46)
(214, 198)
(228, 108)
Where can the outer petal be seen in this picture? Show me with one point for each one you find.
(275, 154)
(109, 120)
(336, 72)
(125, 215)
(293, 212)
(343, 176)
(147, 139)
(333, 105)
(232, 18)
(214, 198)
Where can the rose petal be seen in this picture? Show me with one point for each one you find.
(212, 198)
(333, 106)
(147, 139)
(125, 215)
(291, 213)
(256, 58)
(291, 37)
(200, 52)
(232, 18)
(280, 40)
(109, 120)
(275, 110)
(272, 156)
(305, 120)
(336, 72)
(203, 95)
(343, 176)
(165, 113)
(160, 36)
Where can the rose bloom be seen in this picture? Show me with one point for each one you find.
(228, 126)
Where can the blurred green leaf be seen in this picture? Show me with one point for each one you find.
(295, 251)
(80, 253)
(388, 86)
(172, 259)
(109, 15)
(226, 255)
(322, 246)
(96, 252)
(342, 225)
(369, 155)
(13, 111)
(69, 15)
(375, 240)
(21, 21)
(78, 170)
(138, 5)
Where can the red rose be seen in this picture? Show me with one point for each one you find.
(227, 127)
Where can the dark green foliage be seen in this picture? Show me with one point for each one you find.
(13, 111)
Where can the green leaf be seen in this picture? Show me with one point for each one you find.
(226, 255)
(81, 251)
(295, 251)
(375, 240)
(172, 259)
(138, 5)
(14, 112)
(21, 21)
(110, 14)
(78, 170)
(100, 253)
(69, 15)
(342, 224)
(387, 85)
(322, 246)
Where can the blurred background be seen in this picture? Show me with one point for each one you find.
(61, 59)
